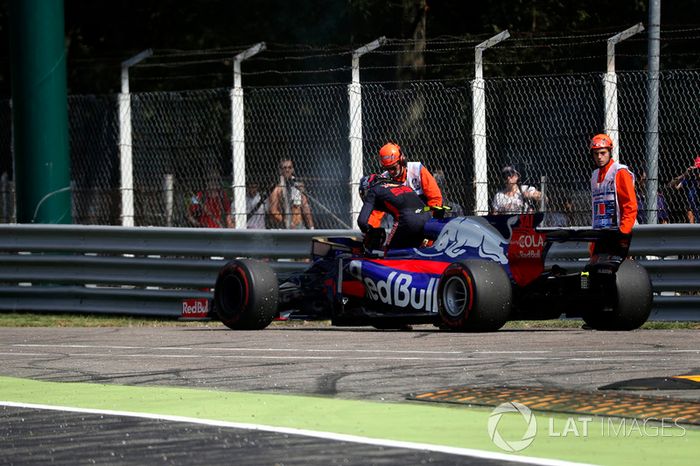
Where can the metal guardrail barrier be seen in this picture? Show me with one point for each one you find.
(151, 270)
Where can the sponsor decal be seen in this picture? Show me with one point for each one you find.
(195, 308)
(466, 238)
(525, 251)
(395, 288)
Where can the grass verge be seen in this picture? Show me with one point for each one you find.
(22, 319)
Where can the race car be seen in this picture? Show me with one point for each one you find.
(477, 273)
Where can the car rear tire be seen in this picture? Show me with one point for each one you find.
(631, 305)
(246, 295)
(474, 296)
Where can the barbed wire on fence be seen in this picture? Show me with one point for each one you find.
(182, 145)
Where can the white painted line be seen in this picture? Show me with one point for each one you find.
(279, 357)
(309, 433)
(202, 348)
(317, 358)
(354, 350)
(660, 350)
(235, 356)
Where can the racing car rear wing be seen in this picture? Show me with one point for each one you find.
(558, 235)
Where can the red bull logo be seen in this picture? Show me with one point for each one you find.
(397, 288)
(195, 308)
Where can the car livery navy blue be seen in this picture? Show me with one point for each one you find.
(477, 273)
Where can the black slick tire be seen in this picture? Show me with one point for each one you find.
(474, 296)
(631, 305)
(246, 295)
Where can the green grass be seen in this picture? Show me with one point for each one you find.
(577, 323)
(452, 426)
(22, 319)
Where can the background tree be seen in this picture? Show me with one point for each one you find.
(99, 35)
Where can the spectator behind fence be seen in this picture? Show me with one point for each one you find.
(255, 206)
(514, 198)
(562, 215)
(662, 215)
(689, 182)
(289, 205)
(211, 207)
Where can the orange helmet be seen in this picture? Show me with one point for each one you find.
(389, 154)
(601, 141)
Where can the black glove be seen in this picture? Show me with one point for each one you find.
(374, 239)
(441, 211)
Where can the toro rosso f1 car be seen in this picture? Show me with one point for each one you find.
(479, 273)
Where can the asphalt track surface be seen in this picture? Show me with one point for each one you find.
(39, 437)
(339, 363)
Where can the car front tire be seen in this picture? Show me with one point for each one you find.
(246, 295)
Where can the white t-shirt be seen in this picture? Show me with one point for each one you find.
(256, 220)
(512, 204)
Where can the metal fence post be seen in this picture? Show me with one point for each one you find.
(238, 137)
(652, 139)
(125, 141)
(168, 190)
(479, 125)
(355, 103)
(610, 88)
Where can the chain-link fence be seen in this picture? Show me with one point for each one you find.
(94, 154)
(181, 158)
(679, 138)
(541, 126)
(307, 125)
(431, 121)
(182, 146)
